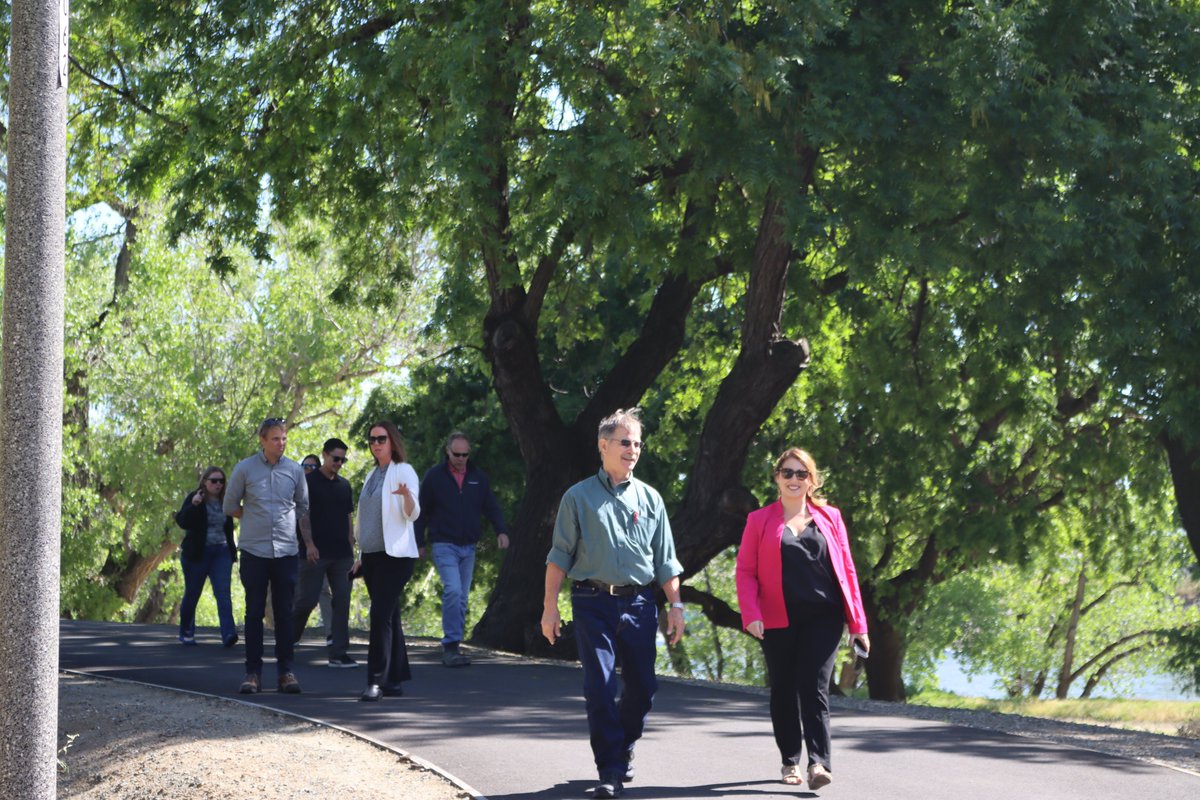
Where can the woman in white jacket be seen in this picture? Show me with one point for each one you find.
(386, 510)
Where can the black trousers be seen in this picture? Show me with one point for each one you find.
(387, 653)
(800, 662)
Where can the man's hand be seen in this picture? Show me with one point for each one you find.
(502, 541)
(313, 554)
(551, 625)
(675, 625)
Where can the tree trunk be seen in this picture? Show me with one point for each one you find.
(1065, 676)
(128, 582)
(715, 502)
(1185, 477)
(885, 679)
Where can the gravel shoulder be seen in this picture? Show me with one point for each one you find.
(136, 742)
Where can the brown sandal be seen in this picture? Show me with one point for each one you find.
(793, 775)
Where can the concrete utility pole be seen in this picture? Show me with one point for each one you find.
(31, 391)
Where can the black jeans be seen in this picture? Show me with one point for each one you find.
(312, 580)
(259, 574)
(387, 653)
(800, 662)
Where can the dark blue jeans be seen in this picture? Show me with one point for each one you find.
(215, 565)
(279, 575)
(615, 632)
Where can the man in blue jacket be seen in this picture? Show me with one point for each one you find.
(454, 497)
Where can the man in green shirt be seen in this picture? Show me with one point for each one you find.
(613, 540)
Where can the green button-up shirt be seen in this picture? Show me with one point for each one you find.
(617, 534)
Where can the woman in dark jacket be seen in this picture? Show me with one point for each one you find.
(207, 552)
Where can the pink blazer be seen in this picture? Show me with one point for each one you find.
(760, 567)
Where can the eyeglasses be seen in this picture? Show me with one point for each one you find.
(634, 443)
(216, 480)
(307, 465)
(459, 455)
(788, 474)
(377, 439)
(339, 459)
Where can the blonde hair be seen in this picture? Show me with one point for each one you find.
(814, 474)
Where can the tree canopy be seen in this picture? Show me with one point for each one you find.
(969, 221)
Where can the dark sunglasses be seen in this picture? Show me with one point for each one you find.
(788, 474)
(634, 443)
(215, 480)
(459, 455)
(339, 459)
(310, 466)
(377, 439)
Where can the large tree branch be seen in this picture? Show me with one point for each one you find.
(543, 275)
(716, 610)
(126, 95)
(716, 502)
(1100, 656)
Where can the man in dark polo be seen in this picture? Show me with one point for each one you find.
(266, 492)
(613, 540)
(327, 550)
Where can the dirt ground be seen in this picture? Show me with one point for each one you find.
(123, 740)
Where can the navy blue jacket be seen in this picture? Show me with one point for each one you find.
(453, 515)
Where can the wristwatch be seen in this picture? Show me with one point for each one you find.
(677, 605)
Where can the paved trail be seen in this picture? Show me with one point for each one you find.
(515, 730)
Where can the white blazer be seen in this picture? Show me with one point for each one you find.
(399, 537)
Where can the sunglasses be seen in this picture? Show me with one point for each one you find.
(459, 455)
(310, 466)
(377, 439)
(339, 459)
(788, 474)
(634, 443)
(216, 480)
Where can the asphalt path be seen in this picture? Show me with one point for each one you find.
(509, 728)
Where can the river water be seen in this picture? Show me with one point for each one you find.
(951, 678)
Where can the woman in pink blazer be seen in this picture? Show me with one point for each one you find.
(797, 588)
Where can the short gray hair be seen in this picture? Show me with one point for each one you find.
(452, 438)
(621, 418)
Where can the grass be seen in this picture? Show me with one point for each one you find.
(1178, 717)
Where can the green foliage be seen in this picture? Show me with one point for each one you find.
(989, 210)
(1121, 575)
(173, 371)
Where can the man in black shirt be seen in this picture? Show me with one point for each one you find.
(327, 550)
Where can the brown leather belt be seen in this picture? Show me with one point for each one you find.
(608, 588)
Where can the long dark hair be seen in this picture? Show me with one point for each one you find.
(204, 479)
(394, 440)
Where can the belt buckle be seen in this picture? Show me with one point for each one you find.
(612, 590)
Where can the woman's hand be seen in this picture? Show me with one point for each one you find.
(863, 640)
(198, 497)
(755, 629)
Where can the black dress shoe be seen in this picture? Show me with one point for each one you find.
(372, 693)
(393, 690)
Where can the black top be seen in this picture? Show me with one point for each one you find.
(807, 568)
(194, 520)
(330, 504)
